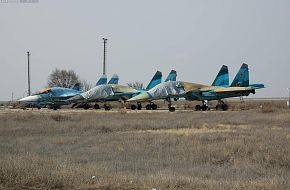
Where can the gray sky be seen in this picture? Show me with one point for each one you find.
(193, 37)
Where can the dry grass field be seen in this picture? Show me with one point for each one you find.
(78, 149)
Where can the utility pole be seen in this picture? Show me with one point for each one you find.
(28, 70)
(105, 51)
(288, 102)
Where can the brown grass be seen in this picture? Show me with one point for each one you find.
(247, 149)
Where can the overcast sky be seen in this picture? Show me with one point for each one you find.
(194, 37)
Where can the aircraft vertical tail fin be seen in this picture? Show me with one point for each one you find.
(222, 78)
(155, 80)
(114, 79)
(102, 80)
(76, 87)
(242, 77)
(172, 76)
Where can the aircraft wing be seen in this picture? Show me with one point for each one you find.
(123, 89)
(220, 90)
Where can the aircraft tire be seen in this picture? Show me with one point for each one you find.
(197, 108)
(154, 107)
(133, 107)
(107, 107)
(225, 107)
(96, 106)
(86, 106)
(172, 109)
(148, 107)
(204, 108)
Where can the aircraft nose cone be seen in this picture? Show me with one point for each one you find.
(139, 97)
(76, 98)
(33, 98)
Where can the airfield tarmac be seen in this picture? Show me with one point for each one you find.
(125, 149)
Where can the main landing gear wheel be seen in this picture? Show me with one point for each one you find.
(222, 106)
(154, 106)
(96, 106)
(86, 106)
(202, 107)
(148, 107)
(133, 107)
(55, 107)
(151, 106)
(107, 107)
(197, 108)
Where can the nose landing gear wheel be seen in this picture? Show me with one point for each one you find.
(172, 109)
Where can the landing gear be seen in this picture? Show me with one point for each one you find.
(171, 108)
(107, 107)
(197, 108)
(86, 106)
(55, 107)
(139, 106)
(96, 106)
(222, 106)
(202, 107)
(133, 107)
(74, 105)
(154, 106)
(148, 107)
(151, 106)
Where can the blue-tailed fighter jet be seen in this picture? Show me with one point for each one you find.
(198, 92)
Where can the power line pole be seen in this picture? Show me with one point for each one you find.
(105, 51)
(28, 70)
(288, 102)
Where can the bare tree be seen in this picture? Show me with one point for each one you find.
(136, 84)
(85, 85)
(62, 78)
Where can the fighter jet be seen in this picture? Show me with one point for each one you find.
(53, 97)
(111, 92)
(155, 81)
(199, 92)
